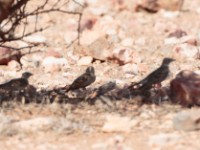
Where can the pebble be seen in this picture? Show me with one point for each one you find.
(83, 61)
(116, 123)
(163, 139)
(7, 55)
(187, 120)
(130, 69)
(53, 53)
(125, 55)
(36, 124)
(35, 39)
(90, 36)
(14, 65)
(52, 64)
(100, 49)
(127, 42)
(185, 50)
(185, 88)
(190, 40)
(69, 36)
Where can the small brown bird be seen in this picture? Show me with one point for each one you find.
(83, 80)
(106, 87)
(157, 76)
(18, 83)
(102, 90)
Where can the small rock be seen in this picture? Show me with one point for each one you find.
(125, 55)
(22, 44)
(161, 27)
(101, 48)
(52, 68)
(7, 55)
(90, 36)
(130, 69)
(185, 88)
(36, 124)
(69, 36)
(189, 40)
(163, 139)
(35, 39)
(127, 42)
(185, 50)
(116, 140)
(100, 10)
(171, 5)
(169, 14)
(52, 60)
(187, 120)
(87, 24)
(73, 59)
(140, 41)
(143, 68)
(171, 41)
(52, 64)
(87, 60)
(53, 53)
(116, 123)
(148, 5)
(6, 125)
(14, 65)
(155, 5)
(178, 33)
(31, 60)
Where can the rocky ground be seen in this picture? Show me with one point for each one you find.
(124, 42)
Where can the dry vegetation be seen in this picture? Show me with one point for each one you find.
(124, 41)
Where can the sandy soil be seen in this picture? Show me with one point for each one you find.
(80, 126)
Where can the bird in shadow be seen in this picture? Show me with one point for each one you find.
(155, 77)
(83, 80)
(18, 83)
(103, 89)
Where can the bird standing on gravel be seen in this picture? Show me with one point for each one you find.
(84, 80)
(18, 83)
(156, 77)
(101, 90)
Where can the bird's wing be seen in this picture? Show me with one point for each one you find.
(78, 82)
(82, 79)
(149, 79)
(159, 75)
(6, 85)
(107, 87)
(154, 76)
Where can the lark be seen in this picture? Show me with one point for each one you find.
(18, 83)
(157, 76)
(83, 80)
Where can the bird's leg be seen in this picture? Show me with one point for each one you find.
(160, 94)
(156, 89)
(157, 86)
(83, 89)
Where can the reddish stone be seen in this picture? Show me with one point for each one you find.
(7, 55)
(185, 88)
(178, 33)
(156, 5)
(53, 53)
(87, 24)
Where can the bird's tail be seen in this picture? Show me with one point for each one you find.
(66, 88)
(63, 90)
(133, 85)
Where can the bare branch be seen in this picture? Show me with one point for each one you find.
(16, 15)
